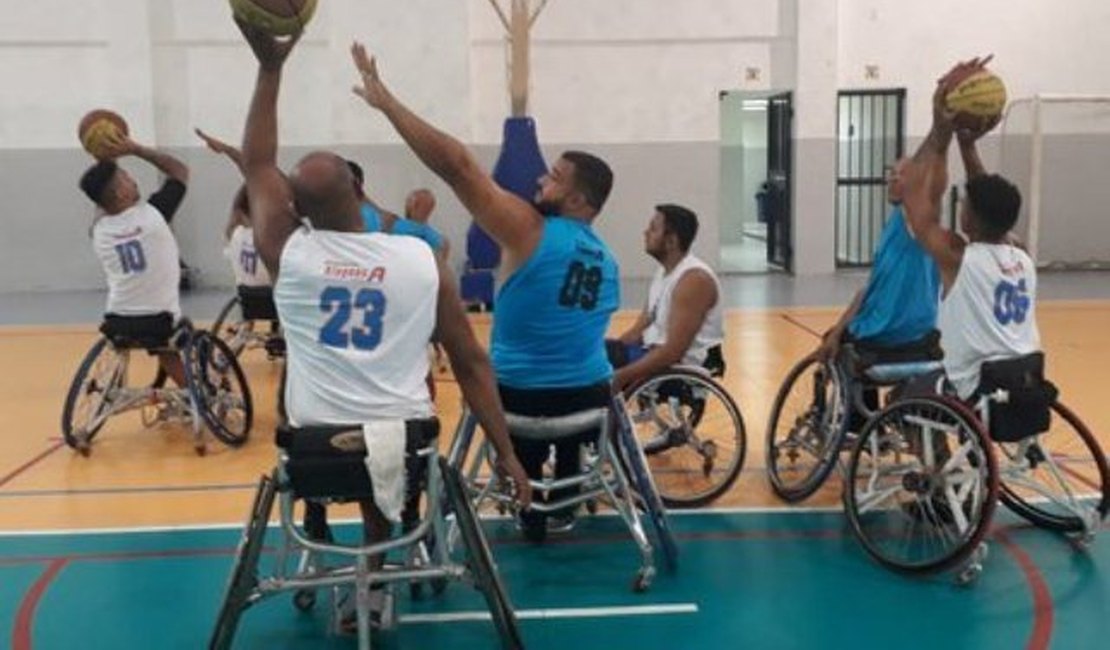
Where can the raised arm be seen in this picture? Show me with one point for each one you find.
(694, 295)
(222, 148)
(512, 222)
(475, 378)
(170, 166)
(271, 199)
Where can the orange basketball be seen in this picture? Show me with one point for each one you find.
(97, 128)
(276, 17)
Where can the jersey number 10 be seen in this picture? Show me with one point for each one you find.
(337, 332)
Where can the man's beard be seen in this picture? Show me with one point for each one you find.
(547, 207)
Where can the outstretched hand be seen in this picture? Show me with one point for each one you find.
(215, 144)
(372, 90)
(271, 51)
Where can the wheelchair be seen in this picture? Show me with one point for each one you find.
(692, 434)
(615, 471)
(328, 463)
(216, 393)
(812, 415)
(924, 478)
(255, 325)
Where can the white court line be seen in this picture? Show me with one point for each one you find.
(562, 612)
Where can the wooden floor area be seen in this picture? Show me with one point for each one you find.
(152, 477)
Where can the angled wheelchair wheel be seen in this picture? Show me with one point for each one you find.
(1058, 479)
(480, 559)
(219, 387)
(692, 434)
(806, 429)
(639, 474)
(244, 570)
(89, 399)
(231, 328)
(922, 485)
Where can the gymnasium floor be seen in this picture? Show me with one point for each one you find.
(130, 548)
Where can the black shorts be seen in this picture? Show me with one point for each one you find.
(553, 402)
(147, 332)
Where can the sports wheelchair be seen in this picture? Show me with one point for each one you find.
(328, 463)
(925, 473)
(254, 325)
(216, 391)
(821, 406)
(614, 470)
(692, 434)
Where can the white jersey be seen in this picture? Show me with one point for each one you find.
(989, 313)
(660, 297)
(358, 310)
(139, 255)
(245, 264)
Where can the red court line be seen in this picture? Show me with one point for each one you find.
(1043, 615)
(29, 464)
(794, 321)
(25, 617)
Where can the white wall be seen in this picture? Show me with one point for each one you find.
(639, 78)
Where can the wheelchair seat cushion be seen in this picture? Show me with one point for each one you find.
(257, 302)
(861, 355)
(1028, 410)
(329, 461)
(150, 331)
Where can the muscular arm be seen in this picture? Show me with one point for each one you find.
(512, 222)
(693, 297)
(473, 371)
(973, 164)
(924, 175)
(271, 199)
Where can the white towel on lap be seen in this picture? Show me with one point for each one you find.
(385, 462)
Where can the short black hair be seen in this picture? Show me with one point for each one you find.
(680, 222)
(356, 171)
(592, 177)
(995, 203)
(96, 179)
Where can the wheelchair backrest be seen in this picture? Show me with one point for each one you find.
(257, 302)
(1027, 411)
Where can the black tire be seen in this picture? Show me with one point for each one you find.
(244, 570)
(1068, 439)
(947, 538)
(480, 559)
(808, 423)
(90, 380)
(686, 424)
(229, 332)
(633, 460)
(216, 380)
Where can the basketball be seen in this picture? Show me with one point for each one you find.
(275, 17)
(97, 128)
(979, 97)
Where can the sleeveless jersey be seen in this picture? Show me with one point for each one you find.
(660, 294)
(357, 311)
(245, 264)
(989, 312)
(551, 314)
(140, 259)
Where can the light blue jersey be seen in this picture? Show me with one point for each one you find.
(900, 303)
(372, 222)
(551, 315)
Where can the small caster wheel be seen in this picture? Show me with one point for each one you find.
(643, 580)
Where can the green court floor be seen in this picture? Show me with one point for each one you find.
(746, 580)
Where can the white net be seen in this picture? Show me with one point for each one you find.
(1064, 176)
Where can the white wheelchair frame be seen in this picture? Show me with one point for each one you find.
(614, 472)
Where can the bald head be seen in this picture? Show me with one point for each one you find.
(324, 192)
(419, 205)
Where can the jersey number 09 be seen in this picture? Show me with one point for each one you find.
(339, 302)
